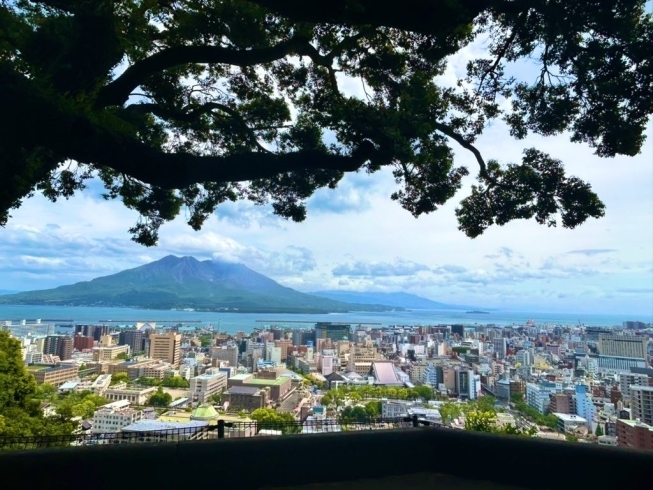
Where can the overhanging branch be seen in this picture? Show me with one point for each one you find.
(34, 121)
(446, 130)
(117, 92)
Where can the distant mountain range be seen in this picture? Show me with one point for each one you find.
(399, 300)
(185, 282)
(6, 291)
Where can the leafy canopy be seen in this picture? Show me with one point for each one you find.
(181, 105)
(20, 398)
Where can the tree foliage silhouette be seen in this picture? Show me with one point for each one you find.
(179, 106)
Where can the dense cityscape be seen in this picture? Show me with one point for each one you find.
(106, 384)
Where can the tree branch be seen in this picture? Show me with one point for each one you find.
(190, 116)
(35, 121)
(117, 92)
(446, 130)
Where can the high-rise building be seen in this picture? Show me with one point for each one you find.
(459, 330)
(430, 375)
(622, 345)
(626, 380)
(333, 331)
(500, 347)
(95, 331)
(641, 403)
(80, 342)
(58, 345)
(166, 347)
(284, 345)
(208, 384)
(327, 364)
(227, 353)
(132, 338)
(630, 325)
(584, 406)
(65, 348)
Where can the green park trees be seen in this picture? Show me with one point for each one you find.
(20, 398)
(119, 378)
(268, 418)
(160, 398)
(177, 107)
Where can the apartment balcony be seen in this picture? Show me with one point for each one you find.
(410, 458)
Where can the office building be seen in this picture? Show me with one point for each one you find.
(133, 338)
(361, 358)
(500, 347)
(227, 353)
(641, 403)
(630, 325)
(247, 398)
(203, 387)
(634, 434)
(109, 353)
(332, 331)
(57, 375)
(132, 395)
(166, 347)
(458, 330)
(622, 346)
(114, 416)
(279, 387)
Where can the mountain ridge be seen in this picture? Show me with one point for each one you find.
(185, 282)
(396, 299)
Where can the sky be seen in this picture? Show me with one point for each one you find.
(356, 238)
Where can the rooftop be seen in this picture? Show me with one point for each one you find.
(241, 377)
(565, 417)
(243, 390)
(157, 425)
(267, 382)
(636, 423)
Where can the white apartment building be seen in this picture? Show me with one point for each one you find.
(273, 354)
(204, 386)
(430, 375)
(474, 385)
(537, 396)
(112, 419)
(97, 387)
(327, 364)
(392, 409)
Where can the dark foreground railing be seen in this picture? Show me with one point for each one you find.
(221, 430)
(251, 463)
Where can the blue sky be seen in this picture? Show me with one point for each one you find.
(356, 238)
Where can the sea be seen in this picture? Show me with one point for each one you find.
(247, 322)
